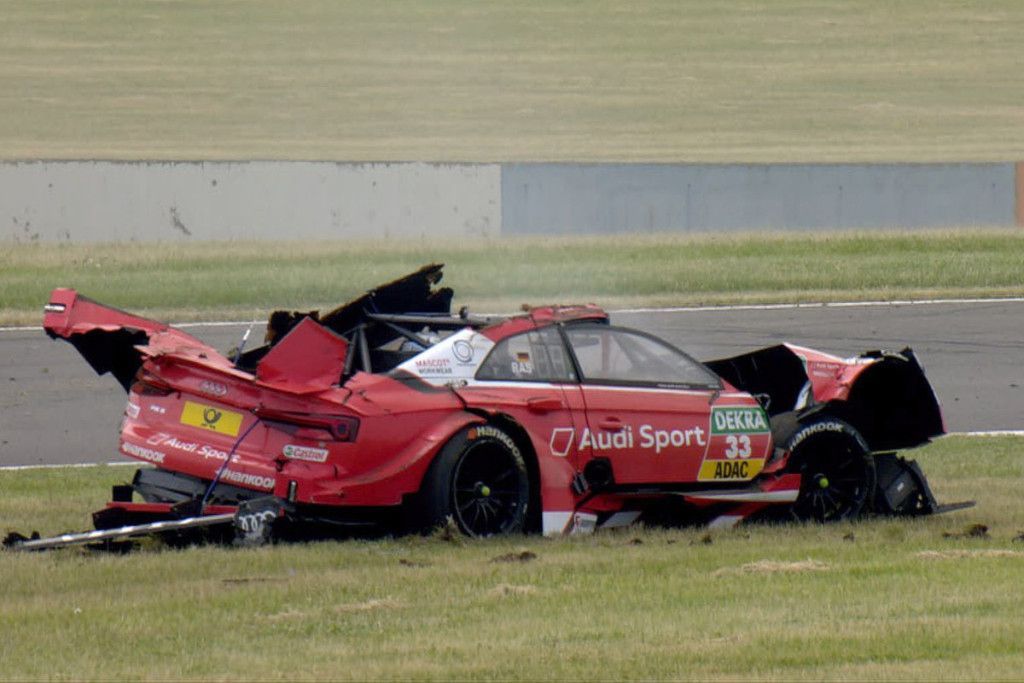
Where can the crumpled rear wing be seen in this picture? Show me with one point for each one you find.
(110, 339)
(373, 333)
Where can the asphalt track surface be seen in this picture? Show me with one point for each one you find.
(55, 410)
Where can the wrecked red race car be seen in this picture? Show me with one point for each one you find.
(391, 413)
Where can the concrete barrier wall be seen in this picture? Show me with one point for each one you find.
(611, 198)
(85, 201)
(88, 201)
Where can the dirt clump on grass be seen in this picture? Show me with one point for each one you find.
(448, 532)
(253, 579)
(412, 563)
(971, 531)
(521, 556)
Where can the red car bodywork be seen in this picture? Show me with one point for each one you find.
(309, 420)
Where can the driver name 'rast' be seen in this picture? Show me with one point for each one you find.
(649, 438)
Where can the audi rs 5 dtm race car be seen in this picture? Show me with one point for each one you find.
(391, 411)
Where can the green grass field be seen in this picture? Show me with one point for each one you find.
(879, 599)
(243, 281)
(451, 80)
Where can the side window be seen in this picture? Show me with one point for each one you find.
(611, 355)
(534, 356)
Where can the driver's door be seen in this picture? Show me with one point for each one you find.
(649, 410)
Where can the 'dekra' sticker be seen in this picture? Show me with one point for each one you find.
(738, 446)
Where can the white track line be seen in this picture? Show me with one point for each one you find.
(217, 323)
(221, 323)
(820, 304)
(671, 309)
(17, 468)
(1005, 432)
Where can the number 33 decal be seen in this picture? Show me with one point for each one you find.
(738, 446)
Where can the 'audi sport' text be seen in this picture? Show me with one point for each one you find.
(649, 437)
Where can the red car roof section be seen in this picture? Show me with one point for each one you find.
(542, 316)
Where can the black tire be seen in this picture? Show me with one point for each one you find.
(479, 480)
(837, 470)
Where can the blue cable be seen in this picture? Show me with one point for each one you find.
(220, 471)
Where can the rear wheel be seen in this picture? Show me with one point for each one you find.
(837, 470)
(480, 480)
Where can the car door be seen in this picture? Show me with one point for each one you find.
(659, 416)
(531, 377)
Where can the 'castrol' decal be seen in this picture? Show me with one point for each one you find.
(739, 443)
(296, 452)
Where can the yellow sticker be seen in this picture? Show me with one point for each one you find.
(215, 419)
(729, 469)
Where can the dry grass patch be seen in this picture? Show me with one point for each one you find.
(505, 590)
(290, 615)
(961, 554)
(774, 567)
(367, 605)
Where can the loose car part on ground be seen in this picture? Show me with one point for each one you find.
(391, 413)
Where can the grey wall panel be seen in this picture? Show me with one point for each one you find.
(609, 198)
(86, 201)
(89, 201)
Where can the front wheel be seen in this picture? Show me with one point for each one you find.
(480, 480)
(836, 467)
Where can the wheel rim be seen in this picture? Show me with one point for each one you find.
(835, 483)
(488, 490)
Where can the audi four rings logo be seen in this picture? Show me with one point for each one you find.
(213, 388)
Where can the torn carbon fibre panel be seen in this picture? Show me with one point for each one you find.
(414, 293)
(892, 404)
(774, 372)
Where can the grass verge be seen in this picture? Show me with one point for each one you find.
(238, 281)
(448, 80)
(879, 599)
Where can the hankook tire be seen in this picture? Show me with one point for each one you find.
(837, 470)
(480, 481)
